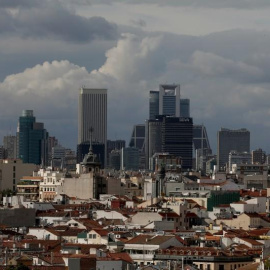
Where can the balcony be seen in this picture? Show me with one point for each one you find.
(142, 257)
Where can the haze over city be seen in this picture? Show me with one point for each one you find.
(217, 51)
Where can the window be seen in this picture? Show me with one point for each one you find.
(94, 236)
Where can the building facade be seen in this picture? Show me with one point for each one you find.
(32, 139)
(229, 140)
(185, 107)
(171, 135)
(92, 114)
(10, 145)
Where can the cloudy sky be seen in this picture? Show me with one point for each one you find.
(218, 51)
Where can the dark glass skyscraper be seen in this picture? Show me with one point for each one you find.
(185, 107)
(153, 104)
(32, 139)
(171, 135)
(229, 140)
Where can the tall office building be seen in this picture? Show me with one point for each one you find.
(32, 139)
(171, 135)
(167, 101)
(93, 114)
(130, 158)
(137, 136)
(153, 139)
(10, 145)
(231, 140)
(200, 137)
(258, 156)
(177, 139)
(153, 104)
(138, 141)
(185, 107)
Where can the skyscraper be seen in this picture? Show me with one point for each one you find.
(171, 135)
(137, 136)
(177, 138)
(92, 114)
(185, 107)
(153, 104)
(229, 140)
(167, 101)
(10, 145)
(32, 139)
(200, 138)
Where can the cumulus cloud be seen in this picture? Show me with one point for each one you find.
(226, 88)
(52, 20)
(210, 64)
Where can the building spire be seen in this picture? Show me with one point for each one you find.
(91, 130)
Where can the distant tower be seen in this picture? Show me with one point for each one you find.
(32, 139)
(169, 100)
(231, 140)
(92, 113)
(153, 104)
(10, 145)
(185, 107)
(171, 135)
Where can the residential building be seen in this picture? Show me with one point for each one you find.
(258, 156)
(12, 170)
(170, 162)
(229, 140)
(51, 180)
(142, 248)
(28, 187)
(238, 158)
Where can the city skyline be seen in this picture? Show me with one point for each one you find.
(222, 67)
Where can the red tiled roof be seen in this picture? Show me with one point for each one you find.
(121, 256)
(152, 240)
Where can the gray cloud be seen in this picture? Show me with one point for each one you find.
(19, 3)
(240, 4)
(52, 20)
(226, 76)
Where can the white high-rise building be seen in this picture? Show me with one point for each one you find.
(92, 115)
(169, 99)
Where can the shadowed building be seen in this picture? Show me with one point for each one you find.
(231, 140)
(171, 135)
